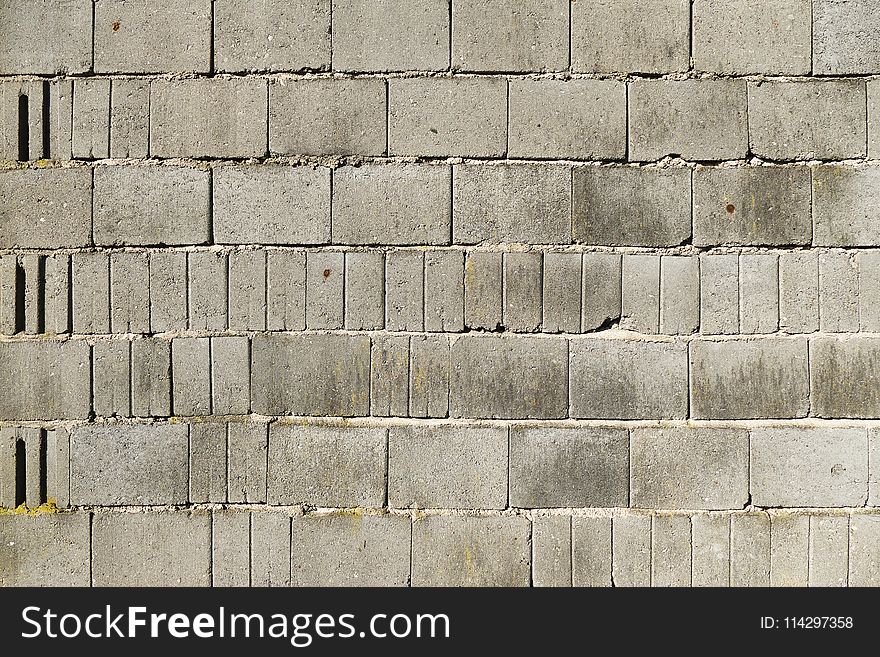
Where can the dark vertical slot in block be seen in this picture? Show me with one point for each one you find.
(20, 472)
(44, 470)
(19, 297)
(41, 294)
(47, 92)
(24, 137)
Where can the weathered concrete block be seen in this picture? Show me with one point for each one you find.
(248, 449)
(144, 206)
(191, 376)
(844, 377)
(31, 273)
(163, 36)
(328, 117)
(624, 379)
(46, 37)
(711, 550)
(311, 374)
(444, 291)
(686, 468)
(247, 290)
(56, 291)
(168, 291)
(640, 291)
(679, 295)
(9, 294)
(25, 132)
(271, 205)
(869, 291)
(470, 551)
(208, 273)
(750, 549)
(129, 118)
(649, 36)
(50, 549)
(325, 281)
(465, 117)
(230, 548)
(523, 304)
(829, 550)
(483, 294)
(129, 465)
(799, 292)
(389, 374)
(845, 206)
(270, 549)
(58, 467)
(151, 549)
(864, 555)
(719, 294)
(631, 550)
(591, 550)
(601, 300)
(91, 118)
(392, 204)
(734, 379)
(364, 290)
(207, 463)
(516, 377)
(873, 475)
(838, 292)
(671, 553)
(447, 467)
(151, 377)
(230, 376)
(758, 293)
(60, 146)
(285, 290)
(694, 119)
(111, 378)
(405, 291)
(625, 206)
(845, 37)
(129, 292)
(569, 467)
(91, 292)
(9, 493)
(327, 466)
(574, 120)
(789, 549)
(429, 376)
(551, 551)
(511, 203)
(562, 292)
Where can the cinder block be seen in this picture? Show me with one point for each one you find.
(752, 205)
(823, 120)
(602, 291)
(561, 292)
(679, 295)
(91, 292)
(864, 553)
(750, 550)
(829, 550)
(437, 117)
(752, 36)
(640, 290)
(272, 35)
(470, 551)
(129, 465)
(843, 377)
(845, 37)
(551, 551)
(689, 468)
(523, 203)
(31, 272)
(631, 550)
(389, 376)
(845, 206)
(444, 291)
(45, 380)
(799, 292)
(168, 291)
(515, 377)
(27, 447)
(247, 290)
(495, 36)
(247, 460)
(162, 37)
(22, 135)
(130, 292)
(191, 376)
(271, 205)
(429, 376)
(151, 377)
(60, 146)
(8, 294)
(111, 378)
(58, 467)
(573, 120)
(364, 290)
(873, 475)
(628, 380)
(285, 290)
(45, 208)
(46, 37)
(405, 291)
(129, 118)
(838, 292)
(327, 466)
(155, 205)
(230, 376)
(693, 119)
(447, 467)
(758, 293)
(671, 553)
(350, 550)
(625, 206)
(49, 549)
(789, 549)
(873, 120)
(764, 378)
(91, 118)
(591, 551)
(312, 375)
(869, 291)
(270, 549)
(328, 117)
(483, 298)
(523, 303)
(392, 204)
(230, 548)
(207, 272)
(151, 549)
(581, 467)
(325, 284)
(390, 35)
(9, 494)
(207, 463)
(711, 549)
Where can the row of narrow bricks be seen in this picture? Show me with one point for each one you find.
(440, 292)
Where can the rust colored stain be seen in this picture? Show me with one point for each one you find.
(326, 273)
(731, 208)
(116, 25)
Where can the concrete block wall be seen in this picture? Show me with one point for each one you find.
(440, 292)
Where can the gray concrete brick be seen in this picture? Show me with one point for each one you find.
(843, 377)
(313, 374)
(591, 552)
(129, 465)
(711, 549)
(247, 290)
(447, 467)
(91, 292)
(34, 448)
(207, 274)
(444, 291)
(493, 35)
(799, 292)
(167, 38)
(581, 467)
(873, 475)
(561, 292)
(207, 464)
(22, 135)
(689, 468)
(511, 203)
(515, 377)
(350, 550)
(765, 378)
(649, 36)
(750, 550)
(272, 35)
(483, 297)
(390, 35)
(869, 291)
(752, 36)
(285, 290)
(845, 37)
(60, 145)
(151, 549)
(151, 377)
(470, 551)
(864, 555)
(327, 466)
(429, 376)
(8, 474)
(625, 206)
(58, 467)
(230, 548)
(573, 120)
(50, 549)
(679, 295)
(838, 292)
(392, 204)
(873, 120)
(671, 554)
(523, 301)
(437, 117)
(328, 117)
(789, 549)
(8, 299)
(758, 293)
(364, 290)
(191, 376)
(91, 118)
(389, 375)
(248, 446)
(825, 120)
(551, 551)
(694, 119)
(752, 205)
(168, 291)
(45, 380)
(829, 550)
(270, 549)
(230, 376)
(631, 550)
(325, 285)
(129, 292)
(32, 267)
(140, 206)
(405, 291)
(624, 379)
(111, 378)
(602, 283)
(845, 206)
(46, 37)
(45, 208)
(640, 291)
(129, 118)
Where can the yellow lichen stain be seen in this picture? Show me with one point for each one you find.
(469, 560)
(49, 506)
